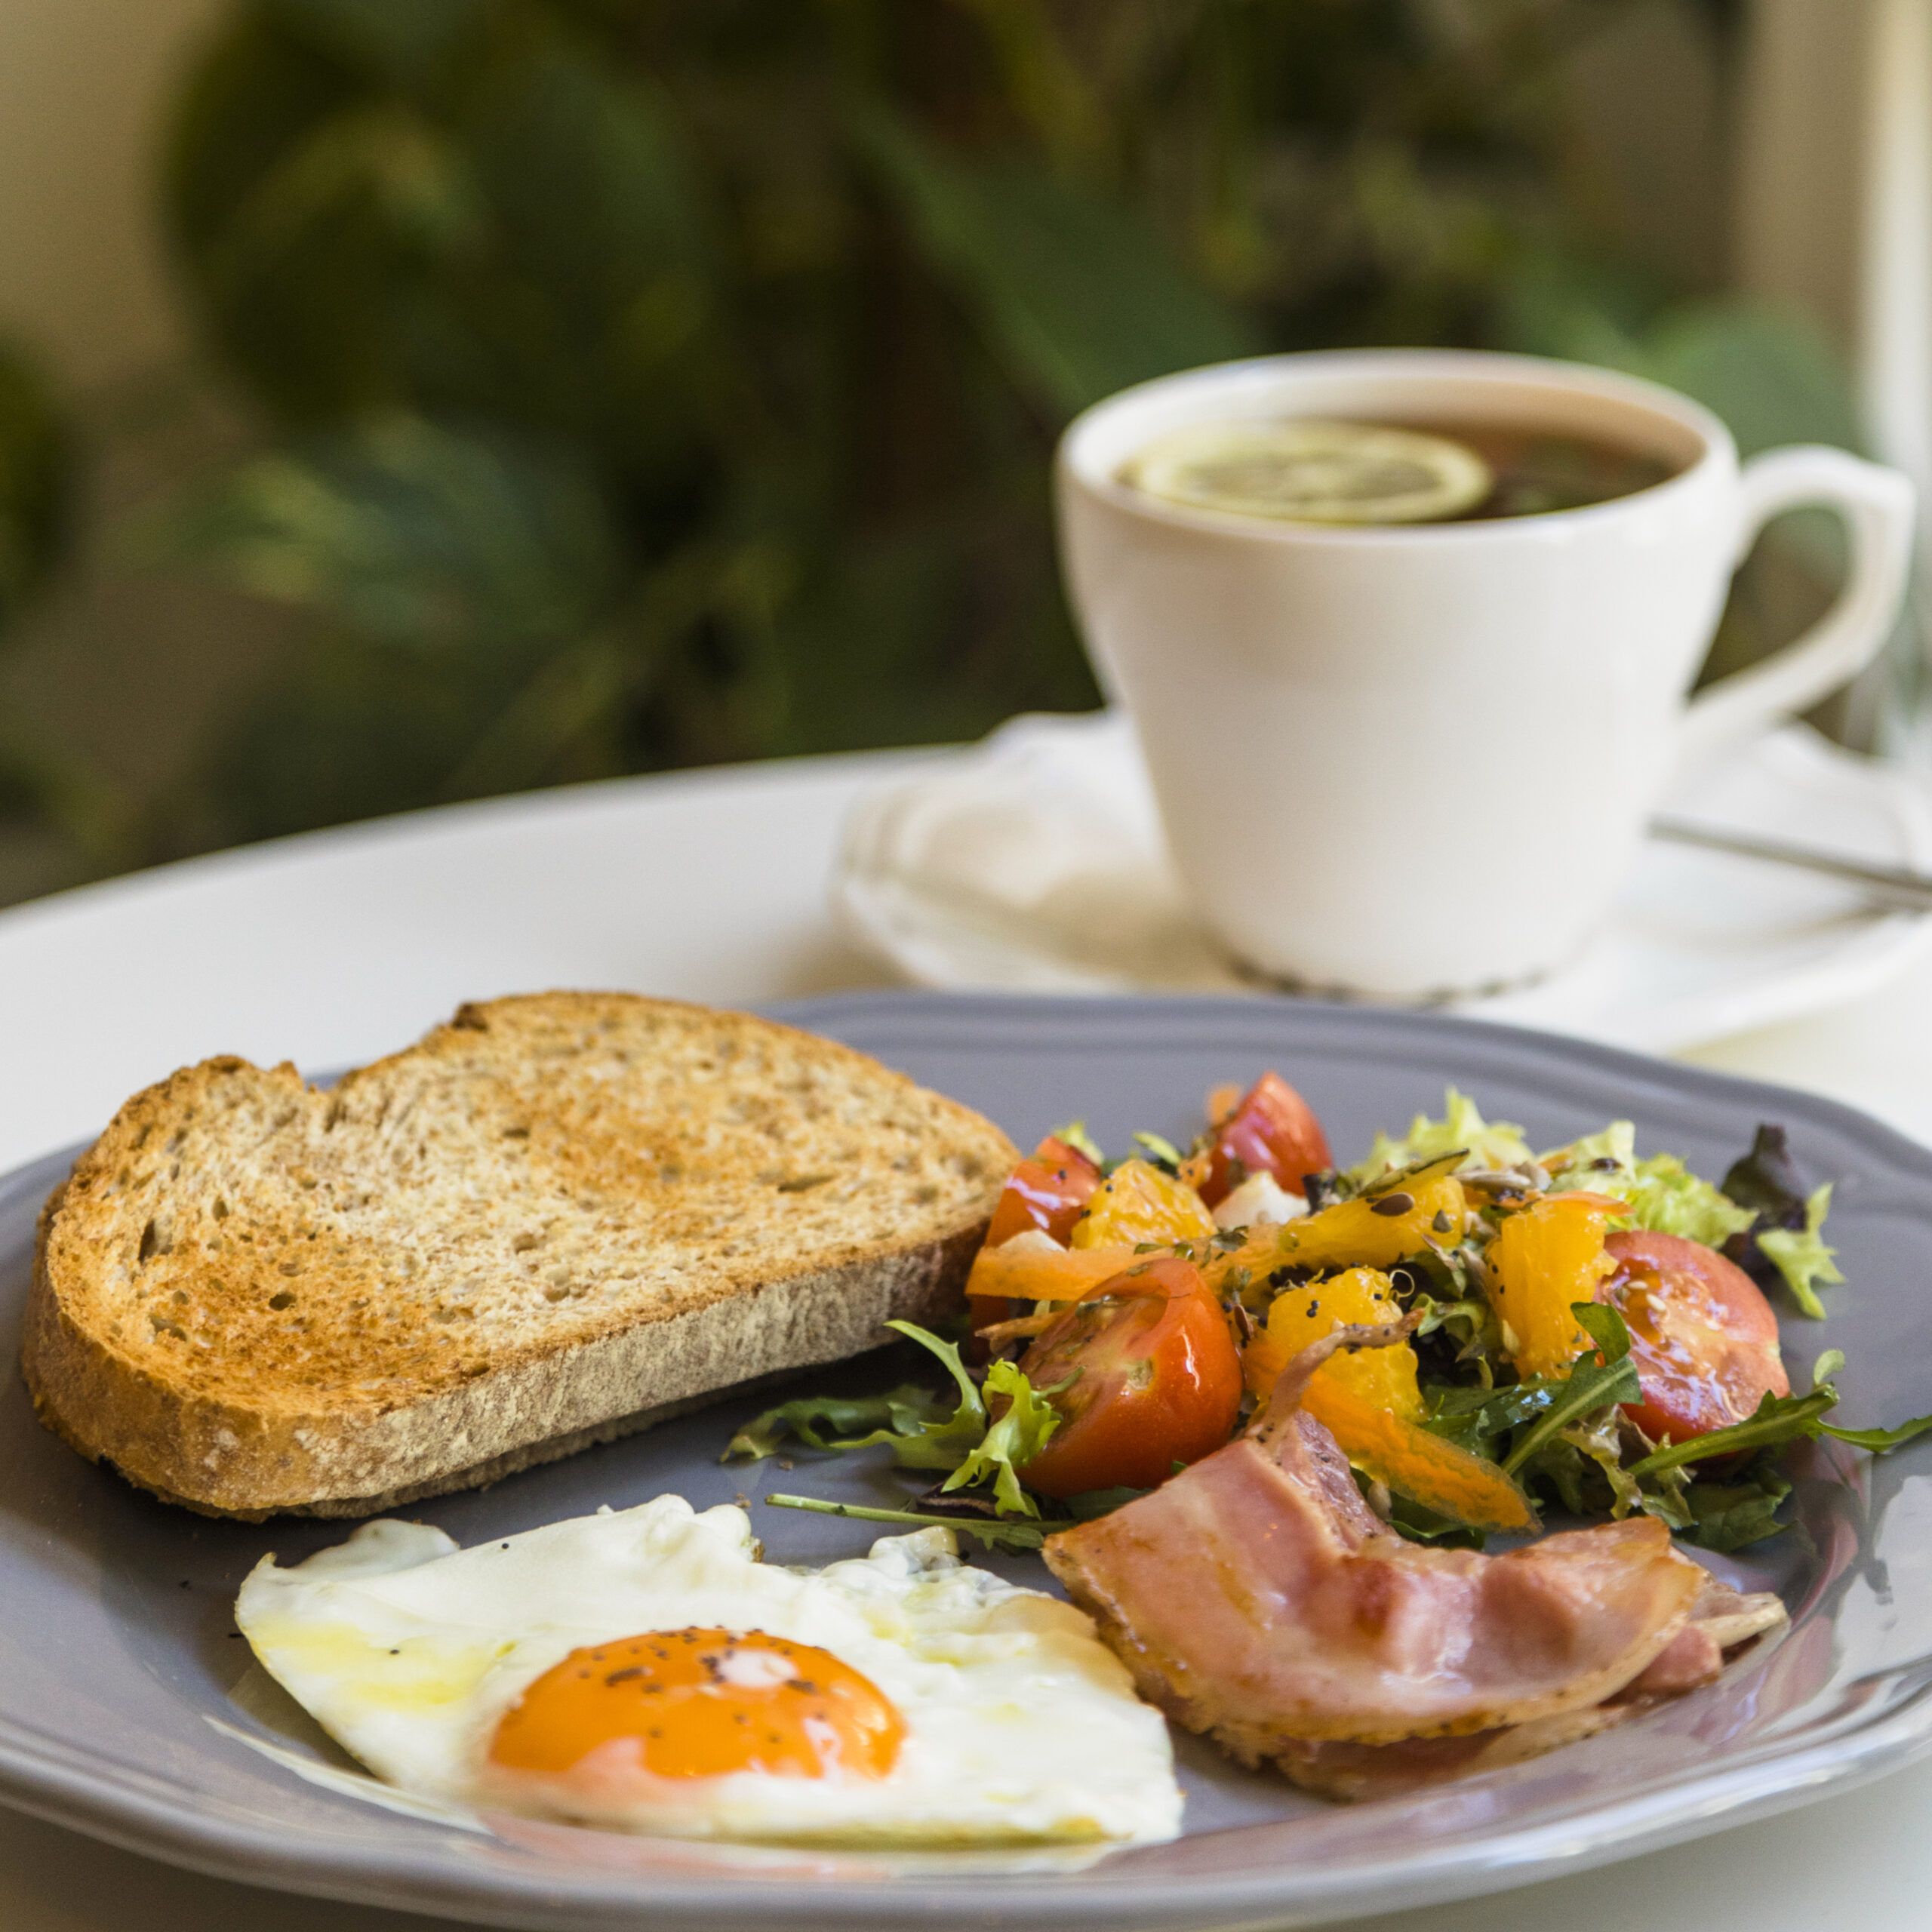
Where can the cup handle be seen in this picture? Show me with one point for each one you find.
(1877, 506)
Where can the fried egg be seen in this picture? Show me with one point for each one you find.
(643, 1670)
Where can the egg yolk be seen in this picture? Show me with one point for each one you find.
(703, 1703)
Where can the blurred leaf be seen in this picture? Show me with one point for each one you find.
(353, 729)
(584, 169)
(1078, 294)
(384, 159)
(398, 40)
(1773, 379)
(529, 244)
(309, 338)
(599, 286)
(35, 465)
(412, 533)
(887, 648)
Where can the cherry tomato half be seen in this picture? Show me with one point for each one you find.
(1158, 1381)
(1704, 1339)
(1272, 1129)
(1047, 1193)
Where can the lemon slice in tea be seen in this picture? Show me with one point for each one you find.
(1304, 471)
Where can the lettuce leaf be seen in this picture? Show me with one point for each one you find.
(1784, 1243)
(1489, 1143)
(1801, 1255)
(1662, 1194)
(1017, 1437)
(835, 1422)
(922, 1436)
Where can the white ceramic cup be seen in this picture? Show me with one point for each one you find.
(1411, 761)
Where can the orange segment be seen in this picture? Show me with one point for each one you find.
(1372, 1233)
(1138, 1203)
(702, 1704)
(1426, 1469)
(1546, 1255)
(1385, 1377)
(1371, 1403)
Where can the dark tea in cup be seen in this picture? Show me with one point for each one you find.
(1304, 469)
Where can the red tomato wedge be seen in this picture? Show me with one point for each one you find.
(1047, 1193)
(1272, 1130)
(1704, 1339)
(1158, 1381)
(1050, 1192)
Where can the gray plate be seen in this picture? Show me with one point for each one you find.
(116, 1650)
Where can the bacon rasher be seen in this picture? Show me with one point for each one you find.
(1257, 1599)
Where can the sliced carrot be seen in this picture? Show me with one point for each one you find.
(1005, 1274)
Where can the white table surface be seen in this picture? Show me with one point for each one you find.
(334, 948)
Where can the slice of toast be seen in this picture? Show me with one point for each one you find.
(558, 1219)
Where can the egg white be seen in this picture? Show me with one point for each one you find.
(1020, 1725)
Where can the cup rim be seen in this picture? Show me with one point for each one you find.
(1718, 450)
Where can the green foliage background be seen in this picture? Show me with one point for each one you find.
(660, 382)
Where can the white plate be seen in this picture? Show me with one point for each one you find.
(1034, 862)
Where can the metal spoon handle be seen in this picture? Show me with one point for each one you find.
(1891, 885)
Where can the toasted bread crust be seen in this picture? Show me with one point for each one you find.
(254, 1297)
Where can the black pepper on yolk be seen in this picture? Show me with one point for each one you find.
(702, 1704)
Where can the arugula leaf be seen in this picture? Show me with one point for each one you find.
(1740, 1510)
(1599, 1375)
(993, 1534)
(1089, 1503)
(1604, 1327)
(1478, 1419)
(1778, 1419)
(1421, 1525)
(1489, 1143)
(1726, 1516)
(1801, 1255)
(809, 1417)
(1878, 1441)
(1557, 1463)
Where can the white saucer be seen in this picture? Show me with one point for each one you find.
(1034, 862)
